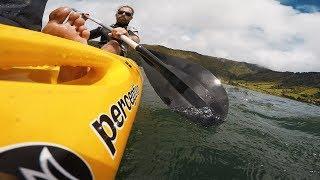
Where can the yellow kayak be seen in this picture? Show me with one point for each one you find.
(75, 129)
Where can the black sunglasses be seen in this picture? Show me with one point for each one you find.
(126, 13)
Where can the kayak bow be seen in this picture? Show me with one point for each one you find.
(77, 129)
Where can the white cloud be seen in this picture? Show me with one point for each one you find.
(263, 32)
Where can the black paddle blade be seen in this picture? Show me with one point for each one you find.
(186, 87)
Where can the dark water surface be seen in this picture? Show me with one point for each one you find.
(264, 137)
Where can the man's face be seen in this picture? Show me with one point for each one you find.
(124, 15)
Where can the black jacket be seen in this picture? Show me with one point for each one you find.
(22, 13)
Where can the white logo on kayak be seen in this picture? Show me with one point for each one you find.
(38, 160)
(45, 158)
(116, 120)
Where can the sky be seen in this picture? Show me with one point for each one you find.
(281, 35)
(305, 6)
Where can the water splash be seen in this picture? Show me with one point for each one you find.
(205, 116)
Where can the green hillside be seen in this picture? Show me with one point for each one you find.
(303, 87)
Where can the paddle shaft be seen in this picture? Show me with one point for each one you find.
(194, 92)
(129, 41)
(124, 38)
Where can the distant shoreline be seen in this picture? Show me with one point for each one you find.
(301, 94)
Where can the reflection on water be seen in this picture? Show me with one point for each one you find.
(264, 137)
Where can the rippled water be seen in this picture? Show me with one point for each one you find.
(264, 137)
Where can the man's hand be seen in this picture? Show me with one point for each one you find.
(85, 16)
(117, 32)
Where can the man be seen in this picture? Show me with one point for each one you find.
(110, 40)
(65, 23)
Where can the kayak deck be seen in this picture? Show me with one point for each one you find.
(89, 117)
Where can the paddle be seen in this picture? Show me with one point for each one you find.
(184, 86)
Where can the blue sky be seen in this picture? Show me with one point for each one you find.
(278, 34)
(304, 6)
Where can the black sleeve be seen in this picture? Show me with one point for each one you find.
(26, 14)
(96, 33)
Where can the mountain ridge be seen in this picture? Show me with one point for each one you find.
(301, 86)
(242, 70)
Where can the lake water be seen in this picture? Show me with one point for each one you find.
(264, 137)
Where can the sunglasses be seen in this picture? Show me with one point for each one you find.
(126, 13)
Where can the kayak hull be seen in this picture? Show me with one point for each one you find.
(80, 124)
